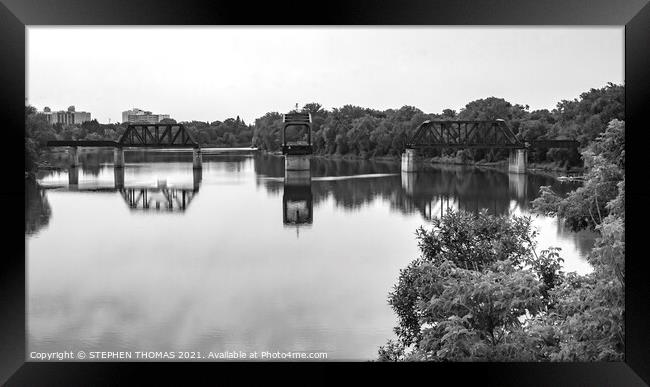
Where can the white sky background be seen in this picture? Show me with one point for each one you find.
(213, 73)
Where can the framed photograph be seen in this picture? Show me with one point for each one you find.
(236, 190)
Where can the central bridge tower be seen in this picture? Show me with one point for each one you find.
(297, 204)
(296, 141)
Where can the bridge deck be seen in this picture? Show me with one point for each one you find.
(85, 143)
(465, 146)
(141, 136)
(115, 144)
(475, 134)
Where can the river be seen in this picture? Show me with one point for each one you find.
(234, 259)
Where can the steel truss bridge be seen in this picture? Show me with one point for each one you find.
(492, 134)
(141, 136)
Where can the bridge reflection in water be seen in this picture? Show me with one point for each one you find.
(156, 198)
(431, 191)
(297, 199)
(436, 192)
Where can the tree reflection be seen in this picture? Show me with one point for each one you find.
(37, 208)
(431, 192)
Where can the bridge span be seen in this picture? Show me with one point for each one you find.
(153, 136)
(474, 134)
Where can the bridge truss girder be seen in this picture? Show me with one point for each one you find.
(157, 135)
(464, 134)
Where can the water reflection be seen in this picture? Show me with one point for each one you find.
(356, 184)
(229, 273)
(158, 198)
(37, 208)
(161, 197)
(297, 199)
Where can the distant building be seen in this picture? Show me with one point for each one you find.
(70, 116)
(139, 116)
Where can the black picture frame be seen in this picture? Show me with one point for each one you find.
(633, 14)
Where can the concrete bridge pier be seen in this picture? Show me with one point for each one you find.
(73, 176)
(118, 158)
(73, 156)
(518, 161)
(118, 177)
(409, 158)
(297, 163)
(197, 158)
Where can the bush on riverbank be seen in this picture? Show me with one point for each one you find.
(587, 206)
(473, 292)
(481, 292)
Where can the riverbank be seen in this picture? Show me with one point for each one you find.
(550, 168)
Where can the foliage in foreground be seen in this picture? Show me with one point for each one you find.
(480, 291)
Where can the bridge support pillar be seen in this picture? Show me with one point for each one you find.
(517, 161)
(297, 163)
(73, 156)
(118, 158)
(197, 158)
(118, 177)
(409, 160)
(73, 176)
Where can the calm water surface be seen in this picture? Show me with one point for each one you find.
(235, 259)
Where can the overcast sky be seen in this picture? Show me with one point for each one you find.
(212, 73)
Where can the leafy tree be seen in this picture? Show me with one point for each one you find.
(585, 118)
(586, 207)
(493, 108)
(465, 297)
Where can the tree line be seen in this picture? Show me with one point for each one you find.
(368, 133)
(365, 132)
(232, 132)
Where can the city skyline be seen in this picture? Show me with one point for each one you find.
(215, 73)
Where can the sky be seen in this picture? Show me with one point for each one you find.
(214, 73)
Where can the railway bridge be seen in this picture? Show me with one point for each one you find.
(474, 134)
(155, 136)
